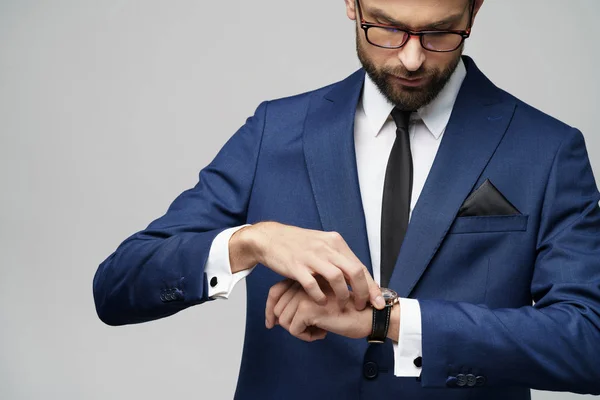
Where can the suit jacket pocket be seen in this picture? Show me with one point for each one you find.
(490, 224)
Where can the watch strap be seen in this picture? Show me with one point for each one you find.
(381, 323)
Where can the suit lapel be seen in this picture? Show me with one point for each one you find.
(479, 120)
(331, 162)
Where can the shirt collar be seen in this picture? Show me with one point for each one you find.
(435, 115)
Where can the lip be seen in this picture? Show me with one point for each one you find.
(409, 82)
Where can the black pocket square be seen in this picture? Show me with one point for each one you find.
(487, 201)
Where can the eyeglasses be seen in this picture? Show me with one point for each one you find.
(393, 37)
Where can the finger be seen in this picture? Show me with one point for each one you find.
(298, 324)
(303, 326)
(288, 313)
(275, 294)
(312, 333)
(375, 292)
(317, 333)
(285, 299)
(353, 271)
(311, 287)
(334, 277)
(365, 289)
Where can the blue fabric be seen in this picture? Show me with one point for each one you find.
(475, 277)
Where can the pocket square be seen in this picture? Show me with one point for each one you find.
(487, 201)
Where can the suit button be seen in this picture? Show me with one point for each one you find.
(461, 380)
(471, 380)
(370, 370)
(162, 297)
(480, 381)
(214, 281)
(178, 295)
(451, 381)
(418, 362)
(169, 297)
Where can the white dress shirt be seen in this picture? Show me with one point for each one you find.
(374, 135)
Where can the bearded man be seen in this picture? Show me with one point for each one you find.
(411, 231)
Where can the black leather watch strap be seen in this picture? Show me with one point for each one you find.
(381, 323)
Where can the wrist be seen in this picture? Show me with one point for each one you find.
(386, 322)
(366, 321)
(394, 329)
(242, 252)
(258, 238)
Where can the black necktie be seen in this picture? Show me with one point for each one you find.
(397, 190)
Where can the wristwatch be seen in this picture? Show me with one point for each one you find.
(381, 318)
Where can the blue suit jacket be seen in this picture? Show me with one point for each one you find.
(475, 277)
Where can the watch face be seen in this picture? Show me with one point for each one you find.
(388, 295)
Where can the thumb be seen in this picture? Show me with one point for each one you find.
(375, 293)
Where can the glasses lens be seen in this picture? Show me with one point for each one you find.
(441, 41)
(386, 37)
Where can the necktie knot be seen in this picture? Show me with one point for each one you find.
(401, 118)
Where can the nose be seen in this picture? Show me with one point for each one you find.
(412, 54)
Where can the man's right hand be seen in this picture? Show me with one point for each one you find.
(302, 255)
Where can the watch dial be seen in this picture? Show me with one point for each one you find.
(388, 294)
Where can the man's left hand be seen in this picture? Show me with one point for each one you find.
(289, 306)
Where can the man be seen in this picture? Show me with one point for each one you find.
(419, 175)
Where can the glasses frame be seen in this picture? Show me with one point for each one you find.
(463, 33)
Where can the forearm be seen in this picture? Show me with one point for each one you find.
(148, 278)
(550, 348)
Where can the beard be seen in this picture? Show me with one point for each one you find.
(404, 97)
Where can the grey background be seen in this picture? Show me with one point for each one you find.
(108, 110)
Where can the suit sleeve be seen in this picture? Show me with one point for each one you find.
(159, 271)
(554, 344)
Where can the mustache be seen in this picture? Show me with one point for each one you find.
(404, 73)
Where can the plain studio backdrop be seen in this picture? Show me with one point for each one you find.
(109, 109)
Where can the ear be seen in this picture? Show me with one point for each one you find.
(478, 4)
(351, 9)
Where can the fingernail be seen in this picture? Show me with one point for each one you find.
(267, 324)
(379, 302)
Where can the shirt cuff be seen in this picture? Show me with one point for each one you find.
(409, 349)
(218, 267)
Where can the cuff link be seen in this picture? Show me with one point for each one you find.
(418, 362)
